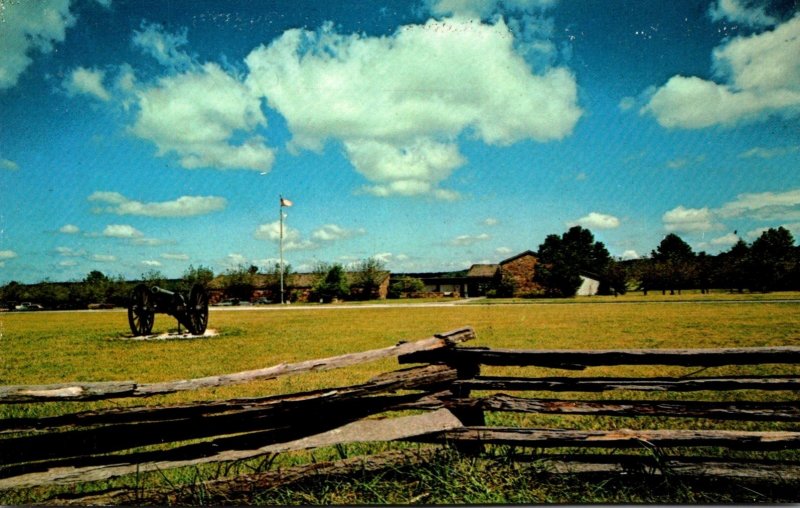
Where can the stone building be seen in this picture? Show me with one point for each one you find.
(521, 269)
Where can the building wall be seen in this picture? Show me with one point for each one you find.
(521, 270)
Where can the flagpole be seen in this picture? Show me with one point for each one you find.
(280, 243)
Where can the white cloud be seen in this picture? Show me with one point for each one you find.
(104, 258)
(69, 252)
(627, 103)
(29, 27)
(598, 221)
(759, 75)
(689, 220)
(503, 251)
(69, 229)
(630, 254)
(399, 102)
(197, 114)
(67, 263)
(87, 81)
(736, 11)
(491, 221)
(235, 260)
(291, 237)
(483, 9)
(8, 164)
(332, 232)
(184, 206)
(175, 256)
(464, 240)
(682, 162)
(769, 153)
(151, 263)
(764, 206)
(153, 40)
(725, 240)
(7, 254)
(121, 231)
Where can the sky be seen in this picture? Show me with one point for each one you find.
(140, 135)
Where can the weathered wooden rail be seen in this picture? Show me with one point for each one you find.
(104, 444)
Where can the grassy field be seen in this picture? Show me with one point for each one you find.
(56, 347)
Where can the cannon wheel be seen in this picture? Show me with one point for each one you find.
(198, 309)
(140, 311)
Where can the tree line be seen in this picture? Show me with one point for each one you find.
(770, 263)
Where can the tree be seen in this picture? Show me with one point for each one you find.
(272, 281)
(239, 282)
(368, 274)
(674, 263)
(733, 272)
(407, 286)
(563, 259)
(95, 286)
(773, 259)
(333, 285)
(201, 275)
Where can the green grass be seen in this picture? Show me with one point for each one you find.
(39, 348)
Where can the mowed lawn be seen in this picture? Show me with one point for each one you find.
(57, 347)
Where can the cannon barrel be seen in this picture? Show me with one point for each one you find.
(159, 291)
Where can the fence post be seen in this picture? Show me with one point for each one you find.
(469, 414)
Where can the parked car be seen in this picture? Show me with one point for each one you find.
(262, 301)
(228, 303)
(96, 306)
(29, 306)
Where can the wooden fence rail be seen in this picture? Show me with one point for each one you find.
(455, 401)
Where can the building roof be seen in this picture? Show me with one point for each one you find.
(520, 255)
(483, 270)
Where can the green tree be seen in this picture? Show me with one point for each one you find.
(154, 278)
(368, 274)
(773, 259)
(674, 262)
(733, 272)
(563, 259)
(239, 282)
(406, 286)
(201, 275)
(333, 285)
(94, 288)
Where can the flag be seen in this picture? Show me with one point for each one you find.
(286, 202)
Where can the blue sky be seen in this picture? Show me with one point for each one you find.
(151, 135)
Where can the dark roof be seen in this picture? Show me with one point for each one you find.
(293, 280)
(520, 255)
(483, 270)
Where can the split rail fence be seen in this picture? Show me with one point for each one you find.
(451, 401)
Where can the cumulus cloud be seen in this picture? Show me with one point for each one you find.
(464, 240)
(332, 232)
(30, 27)
(630, 254)
(197, 114)
(490, 221)
(69, 229)
(598, 221)
(69, 252)
(737, 11)
(104, 258)
(725, 240)
(151, 263)
(7, 254)
(764, 206)
(121, 231)
(758, 75)
(184, 206)
(689, 220)
(398, 103)
(503, 251)
(292, 239)
(88, 82)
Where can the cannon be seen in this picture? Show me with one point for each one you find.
(191, 311)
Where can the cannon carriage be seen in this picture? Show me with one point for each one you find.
(191, 311)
